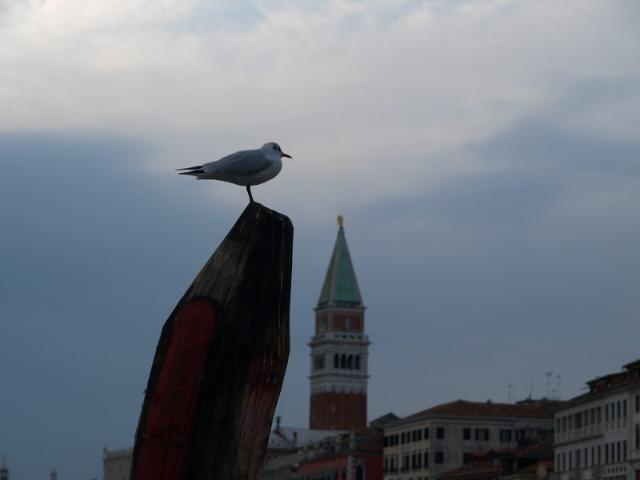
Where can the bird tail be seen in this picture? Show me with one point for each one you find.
(195, 170)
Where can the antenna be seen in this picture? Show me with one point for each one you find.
(531, 389)
(509, 388)
(558, 386)
(548, 375)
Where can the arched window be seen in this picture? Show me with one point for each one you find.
(336, 361)
(343, 362)
(357, 362)
(350, 362)
(359, 472)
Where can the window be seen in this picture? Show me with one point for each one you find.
(578, 459)
(466, 458)
(403, 438)
(439, 458)
(405, 462)
(606, 453)
(416, 460)
(440, 433)
(624, 409)
(606, 412)
(482, 434)
(599, 456)
(638, 403)
(318, 362)
(506, 436)
(577, 420)
(336, 361)
(343, 361)
(466, 434)
(425, 459)
(419, 434)
(357, 362)
(359, 472)
(350, 362)
(385, 443)
(426, 433)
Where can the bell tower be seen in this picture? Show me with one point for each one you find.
(339, 348)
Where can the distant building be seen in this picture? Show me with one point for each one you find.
(339, 348)
(425, 445)
(117, 464)
(286, 450)
(533, 462)
(4, 470)
(597, 434)
(301, 454)
(348, 456)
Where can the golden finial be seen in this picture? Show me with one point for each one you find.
(340, 220)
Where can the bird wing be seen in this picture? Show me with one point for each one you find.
(244, 163)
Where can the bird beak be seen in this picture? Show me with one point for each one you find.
(285, 155)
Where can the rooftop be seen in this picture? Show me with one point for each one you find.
(464, 408)
(296, 437)
(629, 376)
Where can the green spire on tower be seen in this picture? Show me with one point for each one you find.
(340, 286)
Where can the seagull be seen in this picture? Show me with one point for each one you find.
(246, 167)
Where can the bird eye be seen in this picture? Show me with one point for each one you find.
(276, 147)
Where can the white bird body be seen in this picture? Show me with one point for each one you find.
(246, 167)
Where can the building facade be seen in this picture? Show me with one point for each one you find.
(427, 444)
(339, 348)
(117, 464)
(597, 435)
(347, 456)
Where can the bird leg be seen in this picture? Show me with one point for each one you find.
(249, 192)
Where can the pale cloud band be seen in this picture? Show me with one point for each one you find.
(355, 89)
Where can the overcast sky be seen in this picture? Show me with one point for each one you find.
(485, 154)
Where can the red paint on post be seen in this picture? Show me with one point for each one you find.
(169, 420)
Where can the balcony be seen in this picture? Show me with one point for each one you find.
(579, 434)
(586, 473)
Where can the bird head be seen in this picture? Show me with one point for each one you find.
(275, 147)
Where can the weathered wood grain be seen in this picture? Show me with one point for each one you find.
(229, 335)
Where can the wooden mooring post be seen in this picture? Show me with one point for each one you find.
(220, 362)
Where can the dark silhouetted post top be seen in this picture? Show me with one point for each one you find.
(220, 362)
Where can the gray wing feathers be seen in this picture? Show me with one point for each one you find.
(243, 163)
